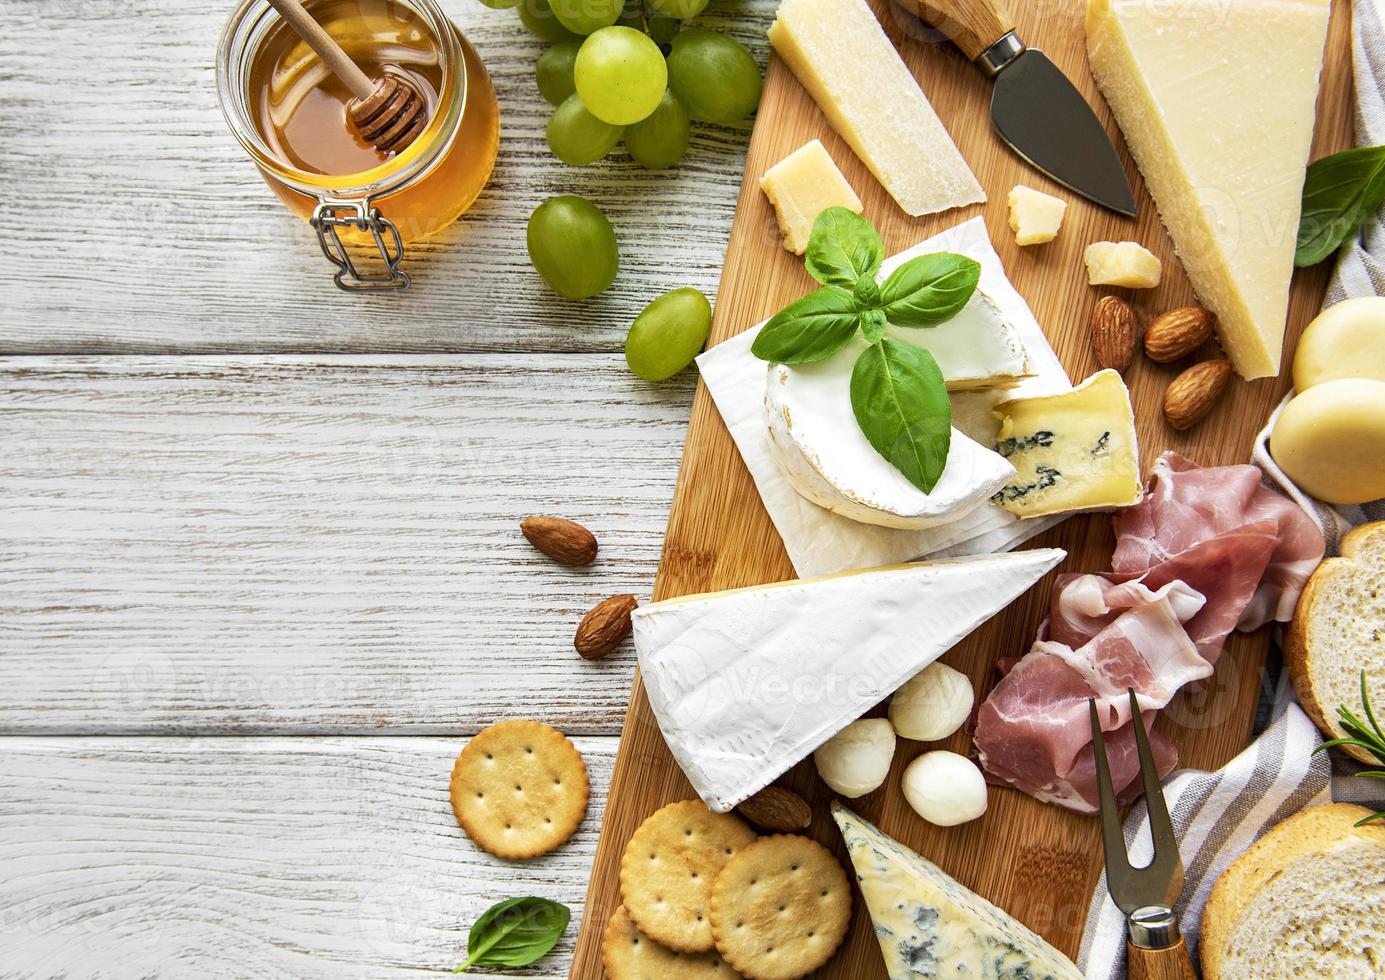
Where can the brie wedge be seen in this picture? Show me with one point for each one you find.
(819, 445)
(747, 683)
(930, 925)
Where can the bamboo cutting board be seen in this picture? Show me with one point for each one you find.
(1037, 861)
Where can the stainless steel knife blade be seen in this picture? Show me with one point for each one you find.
(1040, 113)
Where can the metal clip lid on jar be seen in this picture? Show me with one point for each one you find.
(407, 196)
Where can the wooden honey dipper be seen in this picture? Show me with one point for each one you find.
(388, 113)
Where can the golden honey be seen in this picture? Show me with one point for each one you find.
(290, 114)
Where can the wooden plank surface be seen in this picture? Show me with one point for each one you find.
(1037, 861)
(137, 224)
(278, 544)
(255, 857)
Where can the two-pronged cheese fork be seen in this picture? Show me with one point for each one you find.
(1146, 895)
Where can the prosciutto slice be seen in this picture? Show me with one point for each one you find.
(1208, 550)
(1188, 504)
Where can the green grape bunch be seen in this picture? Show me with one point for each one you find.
(630, 70)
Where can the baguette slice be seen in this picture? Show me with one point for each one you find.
(1338, 629)
(1303, 901)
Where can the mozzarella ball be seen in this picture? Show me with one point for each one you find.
(945, 788)
(933, 705)
(857, 759)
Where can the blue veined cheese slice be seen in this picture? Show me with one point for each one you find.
(744, 684)
(929, 925)
(821, 450)
(1072, 451)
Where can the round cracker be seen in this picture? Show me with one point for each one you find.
(780, 908)
(629, 954)
(519, 789)
(668, 868)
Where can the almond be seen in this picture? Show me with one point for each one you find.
(1178, 333)
(560, 539)
(777, 808)
(1192, 394)
(605, 627)
(1115, 333)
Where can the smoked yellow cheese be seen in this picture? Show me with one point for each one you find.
(1346, 340)
(802, 186)
(1216, 100)
(840, 54)
(1330, 440)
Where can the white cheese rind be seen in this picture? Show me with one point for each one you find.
(1216, 101)
(823, 453)
(841, 55)
(802, 186)
(819, 445)
(930, 925)
(745, 684)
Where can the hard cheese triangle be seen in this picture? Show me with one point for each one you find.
(744, 684)
(929, 925)
(1216, 101)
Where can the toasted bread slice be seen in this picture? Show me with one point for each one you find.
(1302, 901)
(1338, 630)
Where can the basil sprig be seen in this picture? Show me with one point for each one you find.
(515, 932)
(1339, 193)
(898, 394)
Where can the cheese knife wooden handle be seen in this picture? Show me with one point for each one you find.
(1171, 963)
(973, 25)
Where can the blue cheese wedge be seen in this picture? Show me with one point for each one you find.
(929, 925)
(747, 683)
(821, 450)
(1073, 451)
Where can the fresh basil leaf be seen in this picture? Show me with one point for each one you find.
(866, 293)
(1339, 193)
(873, 324)
(810, 329)
(901, 404)
(515, 932)
(929, 289)
(842, 248)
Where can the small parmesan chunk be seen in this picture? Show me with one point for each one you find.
(1035, 217)
(1122, 264)
(802, 186)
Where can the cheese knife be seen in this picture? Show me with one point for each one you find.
(1034, 107)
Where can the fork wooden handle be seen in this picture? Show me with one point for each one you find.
(1172, 963)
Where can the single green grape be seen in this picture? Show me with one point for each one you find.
(578, 138)
(499, 4)
(538, 16)
(620, 75)
(572, 246)
(585, 16)
(666, 337)
(661, 139)
(554, 71)
(677, 9)
(714, 76)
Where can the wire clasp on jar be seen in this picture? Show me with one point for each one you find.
(329, 215)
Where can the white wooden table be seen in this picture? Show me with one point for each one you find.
(260, 572)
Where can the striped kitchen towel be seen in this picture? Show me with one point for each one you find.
(1217, 815)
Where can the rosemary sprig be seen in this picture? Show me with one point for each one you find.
(1363, 734)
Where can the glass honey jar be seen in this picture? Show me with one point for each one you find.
(289, 112)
